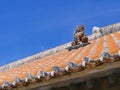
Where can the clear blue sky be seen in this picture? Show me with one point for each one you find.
(31, 26)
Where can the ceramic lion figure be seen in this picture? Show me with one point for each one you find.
(78, 35)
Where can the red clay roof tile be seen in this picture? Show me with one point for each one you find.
(62, 57)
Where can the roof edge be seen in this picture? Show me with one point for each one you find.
(104, 31)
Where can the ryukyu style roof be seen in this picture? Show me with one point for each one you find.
(104, 47)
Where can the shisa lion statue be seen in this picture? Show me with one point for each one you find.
(79, 36)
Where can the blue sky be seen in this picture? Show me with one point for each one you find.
(31, 26)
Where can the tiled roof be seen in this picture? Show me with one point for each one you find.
(104, 47)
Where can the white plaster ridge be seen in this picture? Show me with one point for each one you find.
(105, 30)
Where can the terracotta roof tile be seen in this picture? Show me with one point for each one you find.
(109, 43)
(112, 46)
(117, 35)
(86, 51)
(98, 49)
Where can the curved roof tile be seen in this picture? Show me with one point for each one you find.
(58, 61)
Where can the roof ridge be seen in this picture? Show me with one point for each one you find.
(104, 31)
